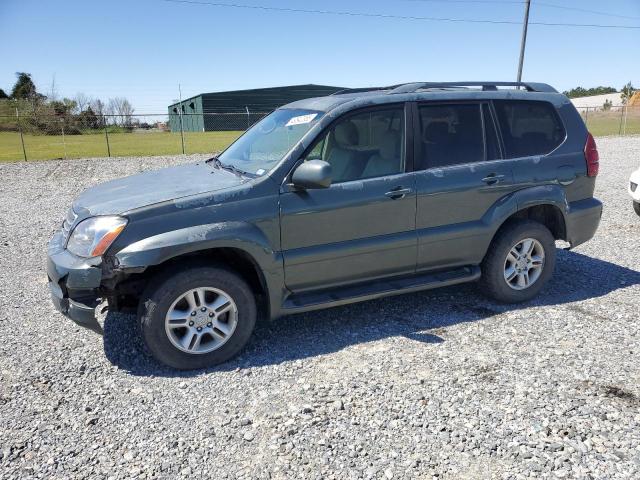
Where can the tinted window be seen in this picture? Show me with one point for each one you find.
(364, 145)
(528, 128)
(451, 134)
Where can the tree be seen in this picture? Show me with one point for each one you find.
(3, 95)
(87, 119)
(627, 92)
(24, 87)
(120, 106)
(82, 101)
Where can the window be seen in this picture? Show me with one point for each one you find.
(451, 134)
(261, 147)
(528, 128)
(363, 145)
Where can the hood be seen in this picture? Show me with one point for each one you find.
(136, 191)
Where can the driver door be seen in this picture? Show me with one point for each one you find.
(363, 226)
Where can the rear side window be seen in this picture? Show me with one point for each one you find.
(451, 134)
(528, 128)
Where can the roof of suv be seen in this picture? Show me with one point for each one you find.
(431, 91)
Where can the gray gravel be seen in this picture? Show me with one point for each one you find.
(442, 383)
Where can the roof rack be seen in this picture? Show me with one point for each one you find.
(363, 89)
(487, 86)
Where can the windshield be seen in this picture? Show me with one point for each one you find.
(263, 145)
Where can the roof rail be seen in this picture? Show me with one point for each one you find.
(529, 86)
(363, 89)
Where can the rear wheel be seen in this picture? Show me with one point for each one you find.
(636, 207)
(197, 318)
(520, 261)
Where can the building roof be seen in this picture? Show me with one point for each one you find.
(266, 96)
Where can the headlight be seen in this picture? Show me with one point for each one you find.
(93, 236)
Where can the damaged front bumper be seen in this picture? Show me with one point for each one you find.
(74, 284)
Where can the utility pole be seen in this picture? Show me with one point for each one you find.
(525, 25)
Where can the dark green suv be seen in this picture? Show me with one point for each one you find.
(333, 200)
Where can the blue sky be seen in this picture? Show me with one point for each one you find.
(143, 49)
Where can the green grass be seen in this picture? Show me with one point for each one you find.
(608, 123)
(47, 147)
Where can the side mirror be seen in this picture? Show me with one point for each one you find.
(312, 174)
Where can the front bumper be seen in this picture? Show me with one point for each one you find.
(74, 284)
(582, 220)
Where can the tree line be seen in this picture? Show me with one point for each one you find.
(49, 114)
(626, 92)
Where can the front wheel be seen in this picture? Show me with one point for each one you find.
(197, 318)
(636, 207)
(520, 261)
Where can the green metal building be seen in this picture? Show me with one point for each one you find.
(237, 110)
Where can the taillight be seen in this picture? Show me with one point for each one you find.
(591, 156)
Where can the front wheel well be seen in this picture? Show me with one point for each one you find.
(126, 293)
(548, 215)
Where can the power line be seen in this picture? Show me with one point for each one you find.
(536, 3)
(517, 2)
(395, 17)
(577, 9)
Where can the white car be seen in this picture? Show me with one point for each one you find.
(634, 190)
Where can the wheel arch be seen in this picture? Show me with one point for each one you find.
(239, 247)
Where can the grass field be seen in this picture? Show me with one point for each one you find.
(608, 123)
(47, 147)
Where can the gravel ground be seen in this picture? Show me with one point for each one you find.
(442, 383)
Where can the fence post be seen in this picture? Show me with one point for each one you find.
(586, 117)
(626, 114)
(181, 129)
(248, 117)
(106, 135)
(621, 119)
(64, 144)
(24, 151)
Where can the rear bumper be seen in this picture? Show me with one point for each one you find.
(74, 284)
(582, 220)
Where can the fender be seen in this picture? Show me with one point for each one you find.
(240, 235)
(523, 199)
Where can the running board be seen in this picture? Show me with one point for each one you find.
(305, 301)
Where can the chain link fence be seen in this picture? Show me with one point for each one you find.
(612, 120)
(42, 137)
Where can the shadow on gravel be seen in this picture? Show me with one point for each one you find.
(418, 316)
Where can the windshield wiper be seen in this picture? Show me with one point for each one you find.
(218, 164)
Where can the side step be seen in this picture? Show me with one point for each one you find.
(333, 297)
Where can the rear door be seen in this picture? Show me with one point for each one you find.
(362, 226)
(461, 175)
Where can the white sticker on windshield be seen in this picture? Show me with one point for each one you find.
(301, 119)
(260, 171)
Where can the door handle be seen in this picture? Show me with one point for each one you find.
(397, 193)
(492, 179)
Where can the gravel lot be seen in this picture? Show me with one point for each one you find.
(442, 383)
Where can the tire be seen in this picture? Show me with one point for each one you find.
(220, 339)
(498, 263)
(636, 207)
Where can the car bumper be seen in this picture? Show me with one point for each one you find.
(582, 220)
(74, 284)
(634, 186)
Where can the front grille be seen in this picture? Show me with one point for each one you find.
(633, 186)
(68, 223)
